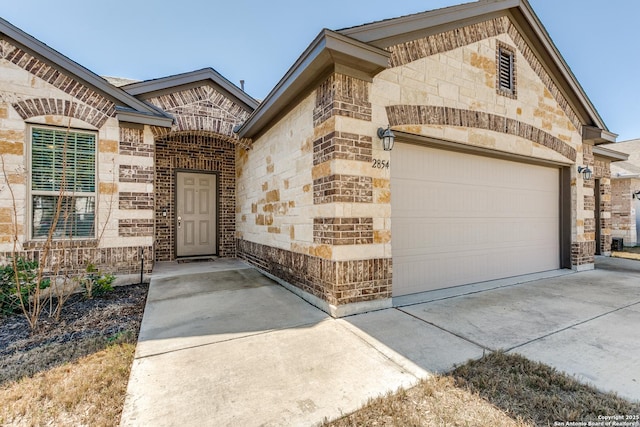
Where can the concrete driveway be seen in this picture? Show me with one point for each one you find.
(220, 344)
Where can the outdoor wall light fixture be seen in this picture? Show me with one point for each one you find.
(387, 137)
(636, 195)
(585, 171)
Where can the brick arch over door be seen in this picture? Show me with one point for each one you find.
(34, 107)
(447, 116)
(197, 152)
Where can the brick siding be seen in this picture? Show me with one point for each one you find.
(343, 188)
(132, 143)
(342, 145)
(343, 231)
(336, 282)
(342, 95)
(73, 260)
(194, 153)
(139, 174)
(435, 115)
(92, 107)
(135, 227)
(135, 201)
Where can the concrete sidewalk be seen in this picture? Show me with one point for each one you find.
(220, 344)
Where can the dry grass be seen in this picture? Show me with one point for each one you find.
(498, 390)
(436, 401)
(90, 391)
(538, 393)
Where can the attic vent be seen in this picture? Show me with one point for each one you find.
(506, 71)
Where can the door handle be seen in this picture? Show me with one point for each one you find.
(179, 221)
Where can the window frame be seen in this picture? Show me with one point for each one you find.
(30, 192)
(501, 50)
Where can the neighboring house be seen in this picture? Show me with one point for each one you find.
(490, 129)
(625, 193)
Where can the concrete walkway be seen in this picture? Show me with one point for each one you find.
(221, 344)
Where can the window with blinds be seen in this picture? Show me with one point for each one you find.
(63, 183)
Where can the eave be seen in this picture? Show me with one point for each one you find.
(608, 154)
(329, 51)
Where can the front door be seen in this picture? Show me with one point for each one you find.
(195, 214)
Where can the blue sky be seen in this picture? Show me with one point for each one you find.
(257, 41)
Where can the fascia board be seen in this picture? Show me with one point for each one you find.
(326, 51)
(608, 154)
(162, 84)
(564, 69)
(379, 33)
(74, 69)
(133, 116)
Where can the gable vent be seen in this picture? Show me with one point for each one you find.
(506, 70)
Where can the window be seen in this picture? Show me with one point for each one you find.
(63, 183)
(506, 71)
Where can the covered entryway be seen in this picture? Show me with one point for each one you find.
(460, 218)
(195, 214)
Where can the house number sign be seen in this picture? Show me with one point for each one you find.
(380, 164)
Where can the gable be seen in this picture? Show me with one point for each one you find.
(202, 108)
(81, 102)
(450, 79)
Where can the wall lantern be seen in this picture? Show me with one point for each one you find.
(636, 195)
(585, 171)
(387, 137)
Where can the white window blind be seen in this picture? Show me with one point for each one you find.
(63, 183)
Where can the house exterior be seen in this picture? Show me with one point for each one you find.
(625, 193)
(482, 183)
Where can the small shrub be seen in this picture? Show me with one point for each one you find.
(96, 283)
(19, 283)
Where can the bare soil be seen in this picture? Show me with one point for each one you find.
(85, 327)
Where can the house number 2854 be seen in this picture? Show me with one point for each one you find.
(380, 164)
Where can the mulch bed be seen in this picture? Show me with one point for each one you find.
(85, 326)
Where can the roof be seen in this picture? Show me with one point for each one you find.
(149, 88)
(377, 36)
(136, 110)
(631, 166)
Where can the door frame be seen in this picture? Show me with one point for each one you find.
(174, 231)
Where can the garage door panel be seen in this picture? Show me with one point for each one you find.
(460, 218)
(432, 235)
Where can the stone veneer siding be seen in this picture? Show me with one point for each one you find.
(407, 52)
(194, 153)
(336, 282)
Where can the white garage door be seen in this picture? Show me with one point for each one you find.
(461, 218)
